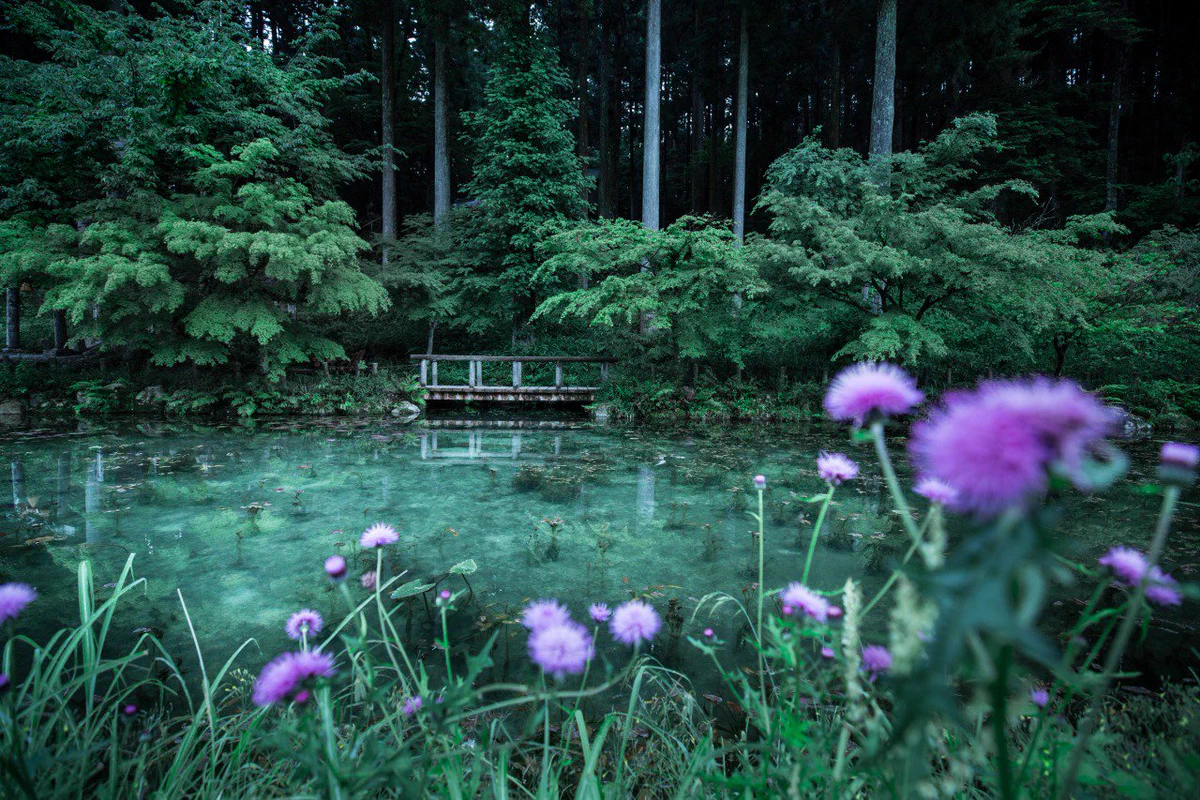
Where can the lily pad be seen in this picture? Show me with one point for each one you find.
(411, 589)
(468, 567)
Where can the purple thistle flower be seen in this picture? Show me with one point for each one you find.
(801, 598)
(367, 579)
(599, 612)
(335, 567)
(1127, 564)
(708, 633)
(1180, 455)
(827, 652)
(760, 481)
(634, 622)
(876, 659)
(286, 675)
(13, 599)
(129, 709)
(866, 388)
(303, 621)
(561, 649)
(1040, 696)
(379, 535)
(1162, 589)
(545, 613)
(835, 468)
(4, 682)
(936, 491)
(444, 594)
(995, 445)
(412, 705)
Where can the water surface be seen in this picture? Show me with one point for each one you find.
(239, 520)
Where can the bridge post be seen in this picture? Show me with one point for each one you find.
(558, 375)
(433, 371)
(424, 371)
(604, 372)
(516, 375)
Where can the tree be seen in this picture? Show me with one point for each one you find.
(739, 169)
(193, 213)
(928, 245)
(441, 146)
(527, 182)
(387, 45)
(883, 103)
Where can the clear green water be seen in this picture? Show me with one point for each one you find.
(240, 520)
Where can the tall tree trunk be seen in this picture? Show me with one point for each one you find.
(739, 164)
(697, 131)
(883, 106)
(606, 195)
(387, 127)
(585, 38)
(441, 148)
(835, 95)
(650, 139)
(12, 321)
(650, 134)
(1114, 130)
(58, 318)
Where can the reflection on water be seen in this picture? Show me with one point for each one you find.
(241, 521)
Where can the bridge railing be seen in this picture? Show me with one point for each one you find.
(429, 371)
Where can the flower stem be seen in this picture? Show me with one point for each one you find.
(889, 476)
(812, 542)
(1000, 722)
(762, 664)
(1121, 641)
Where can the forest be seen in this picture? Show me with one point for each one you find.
(227, 188)
(854, 350)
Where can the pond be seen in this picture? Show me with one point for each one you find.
(238, 520)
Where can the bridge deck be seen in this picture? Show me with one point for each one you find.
(476, 390)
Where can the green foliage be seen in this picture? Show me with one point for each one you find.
(689, 278)
(192, 212)
(912, 257)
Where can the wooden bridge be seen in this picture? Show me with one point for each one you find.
(477, 389)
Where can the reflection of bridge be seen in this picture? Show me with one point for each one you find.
(476, 389)
(432, 447)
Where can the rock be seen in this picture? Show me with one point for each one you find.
(12, 408)
(152, 395)
(1132, 426)
(406, 411)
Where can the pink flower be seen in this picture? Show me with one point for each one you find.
(285, 676)
(367, 579)
(995, 445)
(760, 482)
(867, 388)
(936, 491)
(13, 599)
(599, 612)
(1130, 567)
(4, 681)
(1162, 589)
(634, 622)
(876, 659)
(335, 567)
(378, 535)
(545, 613)
(561, 649)
(827, 652)
(412, 705)
(1180, 455)
(835, 468)
(1127, 564)
(129, 709)
(1040, 696)
(801, 598)
(305, 621)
